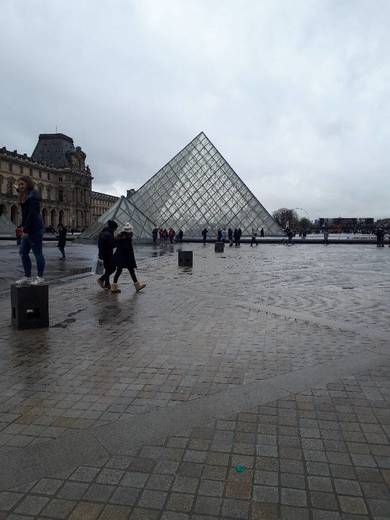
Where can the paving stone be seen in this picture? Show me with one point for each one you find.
(208, 505)
(353, 505)
(215, 488)
(125, 496)
(379, 507)
(321, 500)
(9, 499)
(234, 508)
(84, 474)
(292, 480)
(264, 511)
(293, 513)
(266, 494)
(180, 502)
(73, 490)
(144, 514)
(98, 493)
(320, 484)
(31, 505)
(58, 508)
(293, 497)
(347, 487)
(115, 513)
(110, 476)
(152, 499)
(133, 479)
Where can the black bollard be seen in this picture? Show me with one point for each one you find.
(219, 247)
(30, 306)
(185, 258)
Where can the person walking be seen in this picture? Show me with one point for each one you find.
(326, 236)
(235, 236)
(106, 245)
(262, 233)
(204, 235)
(230, 237)
(61, 233)
(223, 235)
(171, 235)
(253, 238)
(179, 236)
(32, 226)
(154, 235)
(124, 258)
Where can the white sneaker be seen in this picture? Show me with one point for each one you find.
(38, 281)
(26, 280)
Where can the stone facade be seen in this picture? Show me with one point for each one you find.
(100, 203)
(61, 176)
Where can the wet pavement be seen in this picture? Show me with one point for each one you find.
(254, 385)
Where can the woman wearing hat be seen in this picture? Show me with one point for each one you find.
(124, 258)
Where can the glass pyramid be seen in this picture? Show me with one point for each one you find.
(197, 189)
(121, 212)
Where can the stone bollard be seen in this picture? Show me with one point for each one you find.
(30, 306)
(185, 258)
(219, 247)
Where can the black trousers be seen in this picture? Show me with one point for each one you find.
(119, 272)
(109, 268)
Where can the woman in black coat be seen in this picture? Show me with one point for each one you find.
(61, 235)
(124, 258)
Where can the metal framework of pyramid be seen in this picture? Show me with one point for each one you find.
(197, 189)
(121, 212)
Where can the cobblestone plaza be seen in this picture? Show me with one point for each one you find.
(253, 386)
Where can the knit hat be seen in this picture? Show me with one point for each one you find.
(128, 228)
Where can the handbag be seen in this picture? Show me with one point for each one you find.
(99, 269)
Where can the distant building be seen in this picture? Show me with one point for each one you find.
(100, 203)
(61, 176)
(346, 225)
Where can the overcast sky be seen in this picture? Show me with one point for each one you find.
(293, 93)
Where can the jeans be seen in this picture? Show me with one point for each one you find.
(32, 242)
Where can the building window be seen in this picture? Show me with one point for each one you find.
(10, 167)
(60, 195)
(21, 168)
(48, 176)
(59, 179)
(31, 172)
(40, 174)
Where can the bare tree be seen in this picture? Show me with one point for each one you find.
(286, 218)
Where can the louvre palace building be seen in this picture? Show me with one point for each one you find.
(63, 179)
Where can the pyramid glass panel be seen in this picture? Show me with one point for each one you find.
(122, 211)
(198, 188)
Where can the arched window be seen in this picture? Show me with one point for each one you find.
(10, 186)
(14, 215)
(61, 217)
(44, 216)
(53, 218)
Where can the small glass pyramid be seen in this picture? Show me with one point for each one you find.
(122, 211)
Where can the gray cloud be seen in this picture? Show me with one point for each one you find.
(294, 94)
